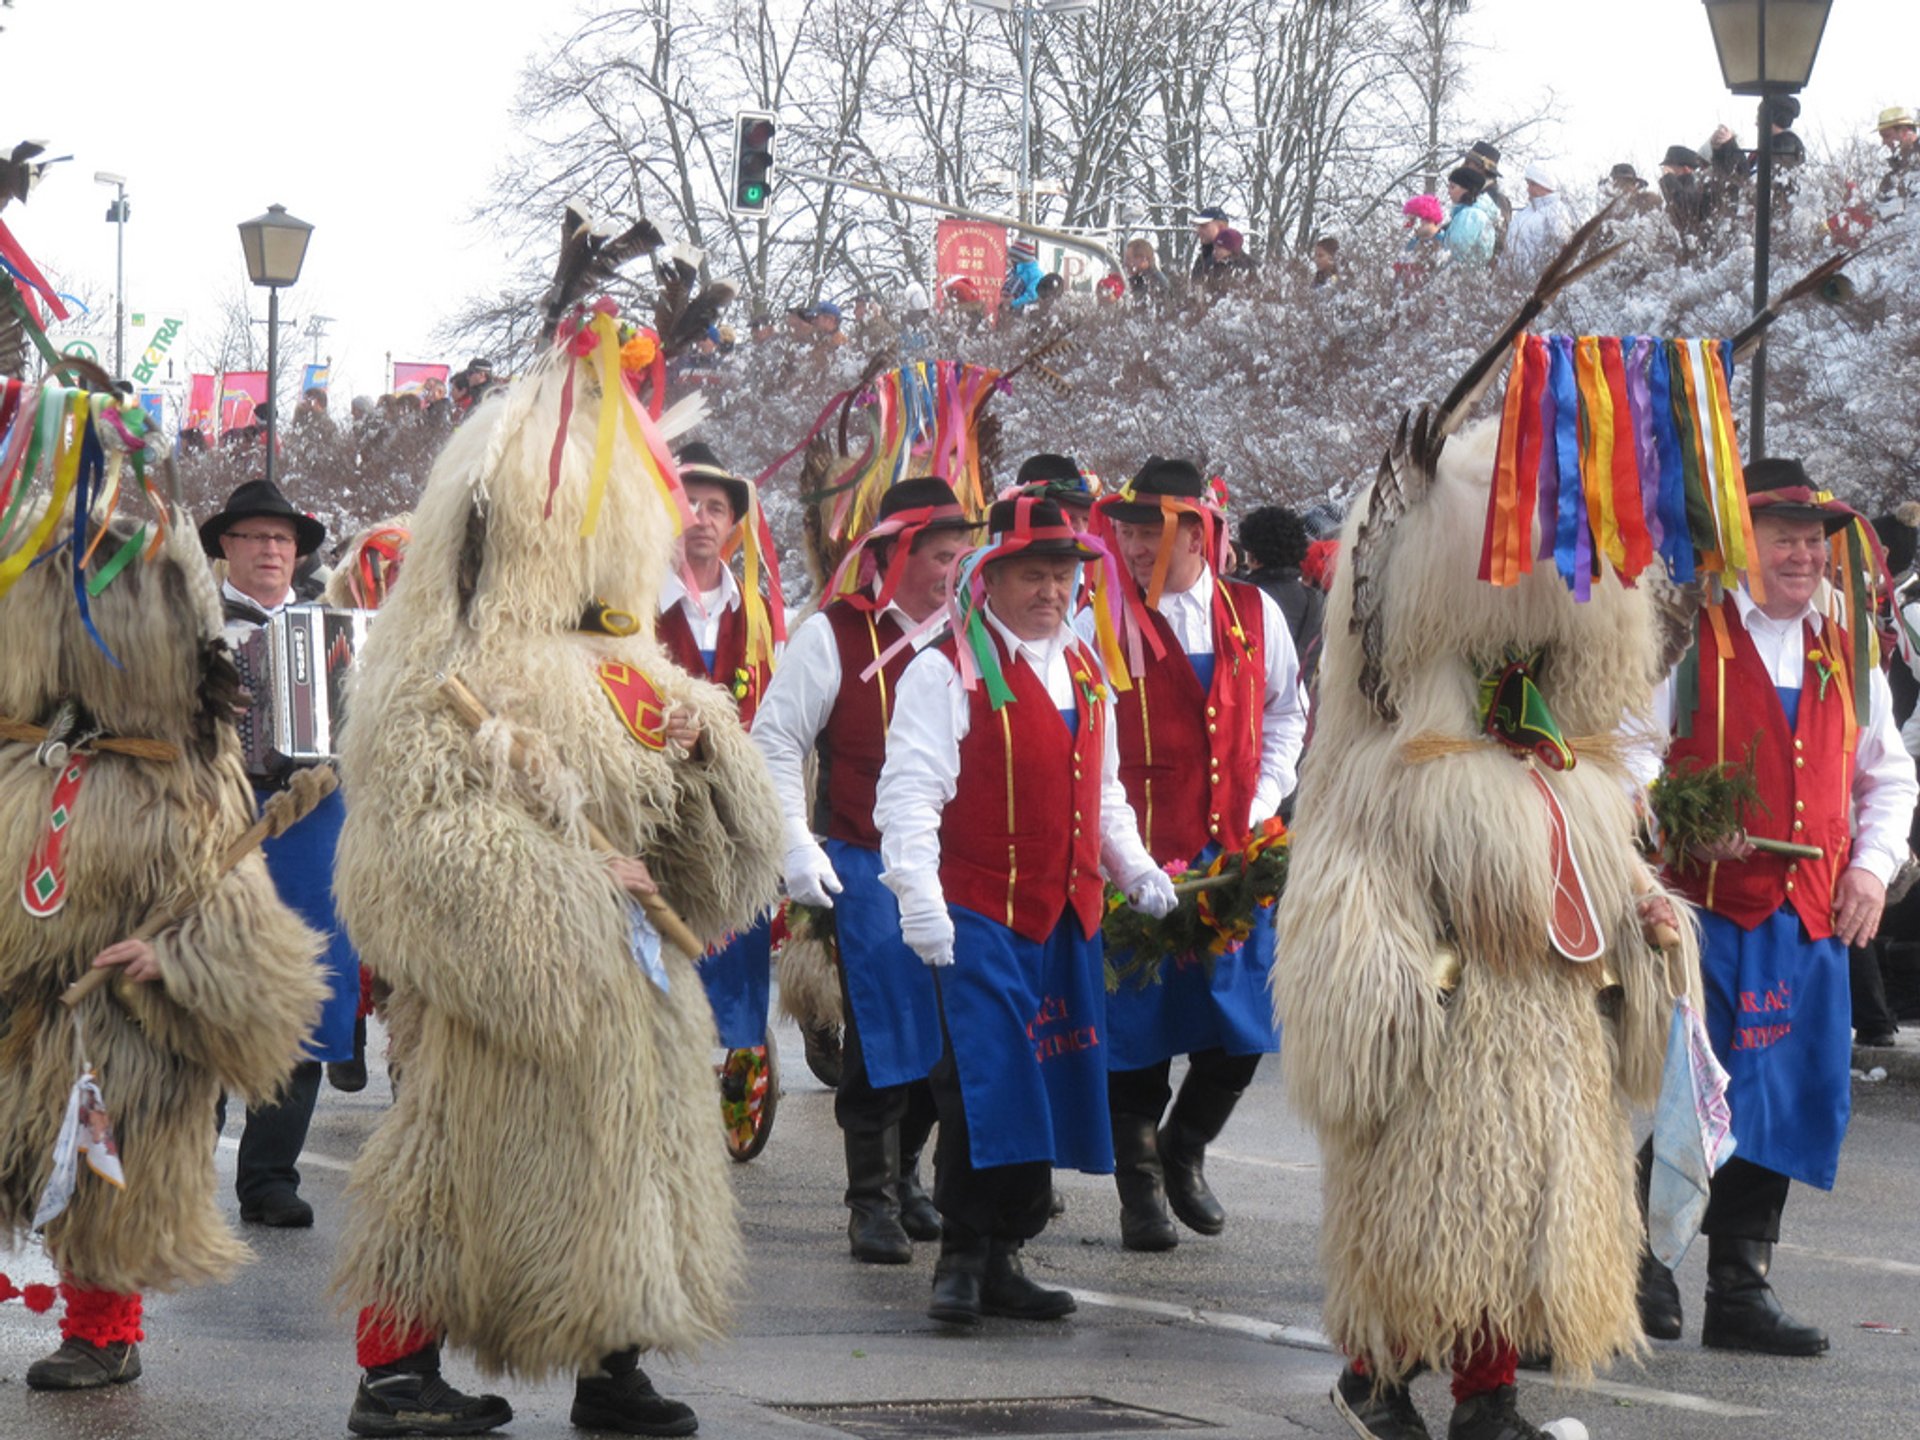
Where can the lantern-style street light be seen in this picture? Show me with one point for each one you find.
(275, 245)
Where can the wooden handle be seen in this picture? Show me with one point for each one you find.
(662, 916)
(1204, 882)
(1786, 847)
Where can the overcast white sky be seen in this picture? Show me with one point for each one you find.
(379, 123)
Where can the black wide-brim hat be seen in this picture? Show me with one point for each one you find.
(1058, 477)
(1684, 157)
(1032, 525)
(1140, 502)
(926, 492)
(1781, 487)
(697, 462)
(258, 498)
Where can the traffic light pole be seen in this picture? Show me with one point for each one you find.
(1063, 237)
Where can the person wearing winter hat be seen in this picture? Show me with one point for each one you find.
(1540, 230)
(1000, 808)
(1688, 200)
(1469, 236)
(1897, 130)
(1231, 263)
(1425, 215)
(1207, 225)
(1209, 749)
(1021, 289)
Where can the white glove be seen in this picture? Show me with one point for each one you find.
(928, 931)
(810, 877)
(1151, 893)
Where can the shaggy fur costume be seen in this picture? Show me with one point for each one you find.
(238, 989)
(551, 1185)
(1478, 1158)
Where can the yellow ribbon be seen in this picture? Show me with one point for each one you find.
(1596, 464)
(66, 471)
(1732, 493)
(608, 356)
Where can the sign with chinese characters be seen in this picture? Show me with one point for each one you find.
(973, 251)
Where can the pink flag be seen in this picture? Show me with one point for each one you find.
(200, 405)
(240, 392)
(410, 375)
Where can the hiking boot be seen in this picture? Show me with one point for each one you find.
(408, 1397)
(622, 1399)
(1383, 1412)
(1742, 1311)
(1492, 1416)
(83, 1365)
(1006, 1290)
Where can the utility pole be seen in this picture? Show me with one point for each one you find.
(317, 331)
(1023, 202)
(117, 217)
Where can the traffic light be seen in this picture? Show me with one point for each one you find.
(753, 132)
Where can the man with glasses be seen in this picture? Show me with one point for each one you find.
(263, 538)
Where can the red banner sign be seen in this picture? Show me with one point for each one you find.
(974, 251)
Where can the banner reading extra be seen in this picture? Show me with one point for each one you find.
(970, 250)
(166, 338)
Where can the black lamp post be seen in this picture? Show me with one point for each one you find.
(275, 245)
(1766, 48)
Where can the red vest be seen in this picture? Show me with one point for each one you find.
(853, 742)
(1172, 733)
(1020, 840)
(746, 683)
(1805, 778)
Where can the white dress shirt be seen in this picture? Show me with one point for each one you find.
(1283, 721)
(794, 711)
(238, 630)
(1884, 788)
(931, 716)
(703, 613)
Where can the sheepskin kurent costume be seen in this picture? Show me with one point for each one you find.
(238, 988)
(1468, 1084)
(549, 1190)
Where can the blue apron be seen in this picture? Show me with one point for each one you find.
(738, 981)
(1028, 1023)
(1780, 1017)
(301, 864)
(896, 1008)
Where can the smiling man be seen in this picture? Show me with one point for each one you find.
(1774, 683)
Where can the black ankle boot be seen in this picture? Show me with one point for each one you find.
(873, 1226)
(917, 1215)
(350, 1076)
(1742, 1311)
(621, 1398)
(1199, 1114)
(1659, 1299)
(82, 1365)
(958, 1276)
(1006, 1290)
(1491, 1416)
(1144, 1222)
(408, 1397)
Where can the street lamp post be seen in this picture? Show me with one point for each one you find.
(275, 245)
(1026, 10)
(1766, 48)
(117, 217)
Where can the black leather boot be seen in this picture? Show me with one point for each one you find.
(408, 1397)
(1491, 1416)
(958, 1276)
(1144, 1222)
(917, 1215)
(1383, 1412)
(1659, 1299)
(350, 1076)
(1006, 1290)
(1742, 1311)
(82, 1365)
(620, 1397)
(1199, 1114)
(873, 1227)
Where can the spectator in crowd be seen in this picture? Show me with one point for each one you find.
(1207, 226)
(916, 312)
(1688, 200)
(1275, 539)
(762, 327)
(1232, 266)
(1048, 293)
(826, 325)
(470, 386)
(1422, 251)
(1540, 230)
(1902, 139)
(966, 302)
(1624, 181)
(1484, 156)
(1469, 236)
(1326, 261)
(1146, 281)
(1021, 288)
(1112, 289)
(873, 327)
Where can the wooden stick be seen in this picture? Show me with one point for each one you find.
(1204, 882)
(662, 916)
(306, 790)
(1786, 847)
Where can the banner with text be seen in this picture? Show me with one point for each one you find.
(409, 376)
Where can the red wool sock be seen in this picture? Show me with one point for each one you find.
(100, 1317)
(1488, 1366)
(381, 1340)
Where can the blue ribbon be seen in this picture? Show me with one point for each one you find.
(93, 464)
(1676, 543)
(1570, 531)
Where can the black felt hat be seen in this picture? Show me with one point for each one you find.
(1781, 487)
(259, 498)
(697, 462)
(926, 492)
(1058, 477)
(1139, 502)
(1683, 157)
(1032, 525)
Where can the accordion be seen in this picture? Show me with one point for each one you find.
(295, 666)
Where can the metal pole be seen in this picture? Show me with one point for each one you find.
(1762, 237)
(273, 372)
(1026, 106)
(120, 283)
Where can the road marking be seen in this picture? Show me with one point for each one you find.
(307, 1157)
(1214, 1152)
(1863, 1262)
(1302, 1337)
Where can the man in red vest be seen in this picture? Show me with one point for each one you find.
(1000, 808)
(828, 696)
(1774, 682)
(1209, 745)
(710, 631)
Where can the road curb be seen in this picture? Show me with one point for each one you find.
(1901, 1060)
